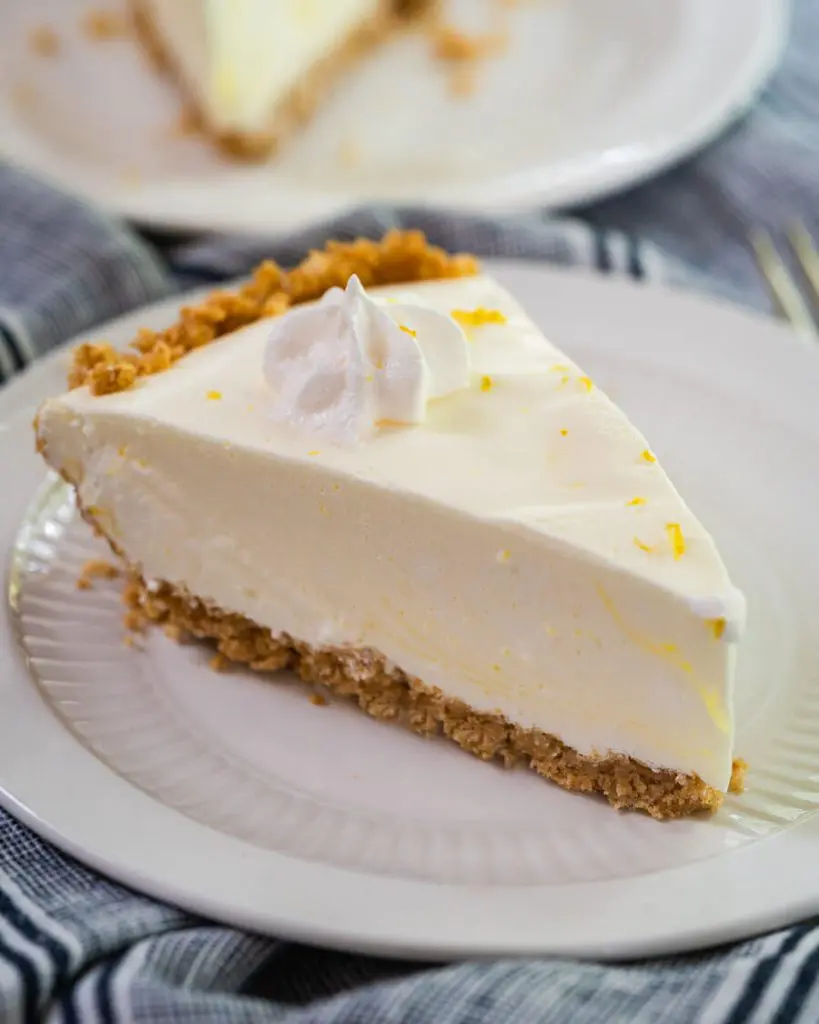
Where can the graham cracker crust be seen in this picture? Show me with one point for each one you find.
(298, 106)
(388, 694)
(400, 257)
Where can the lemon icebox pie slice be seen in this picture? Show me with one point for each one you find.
(376, 471)
(254, 70)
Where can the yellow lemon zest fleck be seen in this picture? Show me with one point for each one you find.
(559, 368)
(496, 668)
(486, 383)
(477, 317)
(408, 330)
(315, 452)
(503, 555)
(214, 396)
(675, 535)
(587, 383)
(636, 501)
(563, 433)
(717, 627)
(564, 380)
(644, 547)
(648, 456)
(121, 451)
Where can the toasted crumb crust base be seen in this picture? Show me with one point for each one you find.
(298, 106)
(400, 257)
(389, 694)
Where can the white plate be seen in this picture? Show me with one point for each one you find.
(591, 96)
(240, 799)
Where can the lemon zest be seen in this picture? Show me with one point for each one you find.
(675, 535)
(477, 317)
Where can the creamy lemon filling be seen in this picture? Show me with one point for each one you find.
(514, 542)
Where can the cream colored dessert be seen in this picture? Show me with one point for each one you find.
(410, 487)
(255, 69)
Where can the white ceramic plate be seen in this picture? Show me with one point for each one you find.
(238, 798)
(590, 96)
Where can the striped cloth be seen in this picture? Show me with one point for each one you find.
(75, 947)
(64, 267)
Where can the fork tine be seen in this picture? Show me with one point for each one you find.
(802, 245)
(783, 287)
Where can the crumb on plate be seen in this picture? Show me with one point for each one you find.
(44, 41)
(462, 52)
(96, 569)
(102, 25)
(455, 46)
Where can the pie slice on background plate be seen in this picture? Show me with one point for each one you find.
(375, 470)
(255, 70)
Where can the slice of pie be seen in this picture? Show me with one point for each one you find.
(400, 489)
(254, 70)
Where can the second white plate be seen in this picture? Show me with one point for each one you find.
(588, 98)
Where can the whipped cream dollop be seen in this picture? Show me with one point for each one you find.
(352, 363)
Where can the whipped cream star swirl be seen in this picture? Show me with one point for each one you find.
(350, 364)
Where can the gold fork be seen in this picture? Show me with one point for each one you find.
(787, 295)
